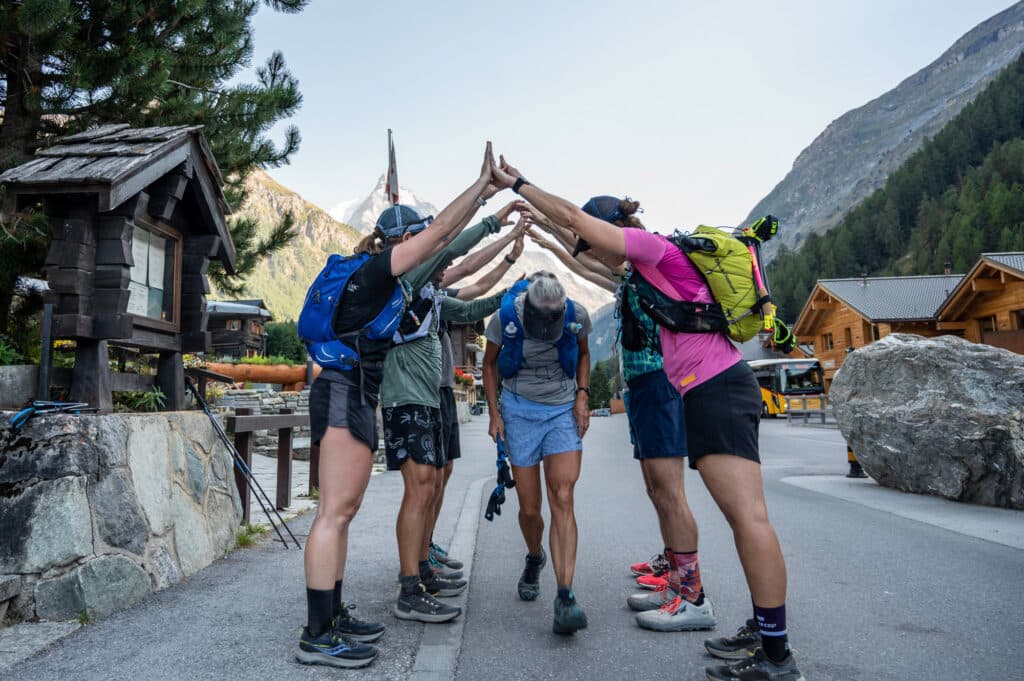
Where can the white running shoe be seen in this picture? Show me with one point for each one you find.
(651, 600)
(679, 615)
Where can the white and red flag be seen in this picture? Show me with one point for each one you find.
(392, 184)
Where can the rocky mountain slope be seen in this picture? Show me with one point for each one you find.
(282, 279)
(858, 151)
(363, 214)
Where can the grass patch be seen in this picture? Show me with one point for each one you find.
(84, 618)
(248, 535)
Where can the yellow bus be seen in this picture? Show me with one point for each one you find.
(783, 379)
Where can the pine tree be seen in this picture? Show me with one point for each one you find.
(67, 65)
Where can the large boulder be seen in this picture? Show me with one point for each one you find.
(936, 416)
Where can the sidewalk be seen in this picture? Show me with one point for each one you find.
(240, 617)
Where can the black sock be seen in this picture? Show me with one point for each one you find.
(565, 593)
(336, 610)
(774, 639)
(410, 584)
(426, 572)
(318, 610)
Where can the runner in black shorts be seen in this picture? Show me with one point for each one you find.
(342, 421)
(722, 422)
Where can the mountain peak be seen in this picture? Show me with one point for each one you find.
(363, 214)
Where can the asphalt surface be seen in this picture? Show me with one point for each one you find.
(873, 595)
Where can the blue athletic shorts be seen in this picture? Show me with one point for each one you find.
(534, 430)
(657, 424)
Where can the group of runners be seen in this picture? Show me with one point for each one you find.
(690, 397)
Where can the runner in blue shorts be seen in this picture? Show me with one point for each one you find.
(540, 353)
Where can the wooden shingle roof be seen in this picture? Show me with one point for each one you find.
(115, 162)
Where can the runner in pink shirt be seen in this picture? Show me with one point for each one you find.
(722, 405)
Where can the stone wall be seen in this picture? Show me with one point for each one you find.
(97, 512)
(270, 402)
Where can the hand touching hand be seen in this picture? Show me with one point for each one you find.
(488, 164)
(506, 211)
(501, 177)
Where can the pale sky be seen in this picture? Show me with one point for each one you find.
(695, 109)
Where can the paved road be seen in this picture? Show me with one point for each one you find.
(873, 596)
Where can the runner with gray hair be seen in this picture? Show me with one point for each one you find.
(537, 347)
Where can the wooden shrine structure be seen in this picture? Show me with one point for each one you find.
(136, 215)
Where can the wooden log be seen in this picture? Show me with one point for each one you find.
(243, 444)
(110, 301)
(112, 325)
(170, 378)
(114, 252)
(65, 280)
(198, 341)
(111, 276)
(90, 377)
(284, 464)
(77, 256)
(206, 244)
(74, 230)
(195, 283)
(114, 227)
(72, 326)
(263, 373)
(70, 303)
(193, 263)
(250, 423)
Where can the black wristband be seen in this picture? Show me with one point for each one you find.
(518, 184)
(583, 389)
(509, 260)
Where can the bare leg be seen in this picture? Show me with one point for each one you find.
(561, 471)
(430, 518)
(345, 465)
(735, 484)
(664, 478)
(531, 522)
(419, 482)
(439, 501)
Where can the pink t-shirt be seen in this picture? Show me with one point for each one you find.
(690, 358)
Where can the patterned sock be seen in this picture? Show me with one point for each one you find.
(774, 639)
(318, 610)
(336, 610)
(686, 574)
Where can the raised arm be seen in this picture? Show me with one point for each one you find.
(411, 252)
(477, 259)
(577, 268)
(487, 282)
(602, 235)
(593, 260)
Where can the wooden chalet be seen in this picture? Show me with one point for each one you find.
(136, 216)
(988, 305)
(238, 328)
(842, 315)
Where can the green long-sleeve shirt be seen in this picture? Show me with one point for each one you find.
(412, 371)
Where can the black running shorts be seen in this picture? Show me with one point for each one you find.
(337, 402)
(450, 425)
(413, 431)
(722, 415)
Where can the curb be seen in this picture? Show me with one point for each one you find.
(440, 645)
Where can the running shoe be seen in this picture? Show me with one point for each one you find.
(757, 668)
(355, 629)
(420, 606)
(569, 616)
(657, 565)
(529, 582)
(651, 600)
(442, 557)
(444, 587)
(651, 582)
(442, 570)
(334, 650)
(679, 614)
(741, 645)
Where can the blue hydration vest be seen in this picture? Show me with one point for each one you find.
(510, 358)
(316, 321)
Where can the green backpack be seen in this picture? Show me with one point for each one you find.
(728, 267)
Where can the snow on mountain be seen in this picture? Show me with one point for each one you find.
(363, 214)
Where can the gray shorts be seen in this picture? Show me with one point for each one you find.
(339, 403)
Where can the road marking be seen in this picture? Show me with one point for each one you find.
(440, 645)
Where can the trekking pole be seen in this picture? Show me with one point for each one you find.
(254, 485)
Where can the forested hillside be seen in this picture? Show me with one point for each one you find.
(960, 195)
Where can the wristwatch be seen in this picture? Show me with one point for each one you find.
(518, 184)
(583, 389)
(480, 201)
(509, 260)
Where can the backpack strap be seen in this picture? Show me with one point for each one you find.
(568, 344)
(510, 357)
